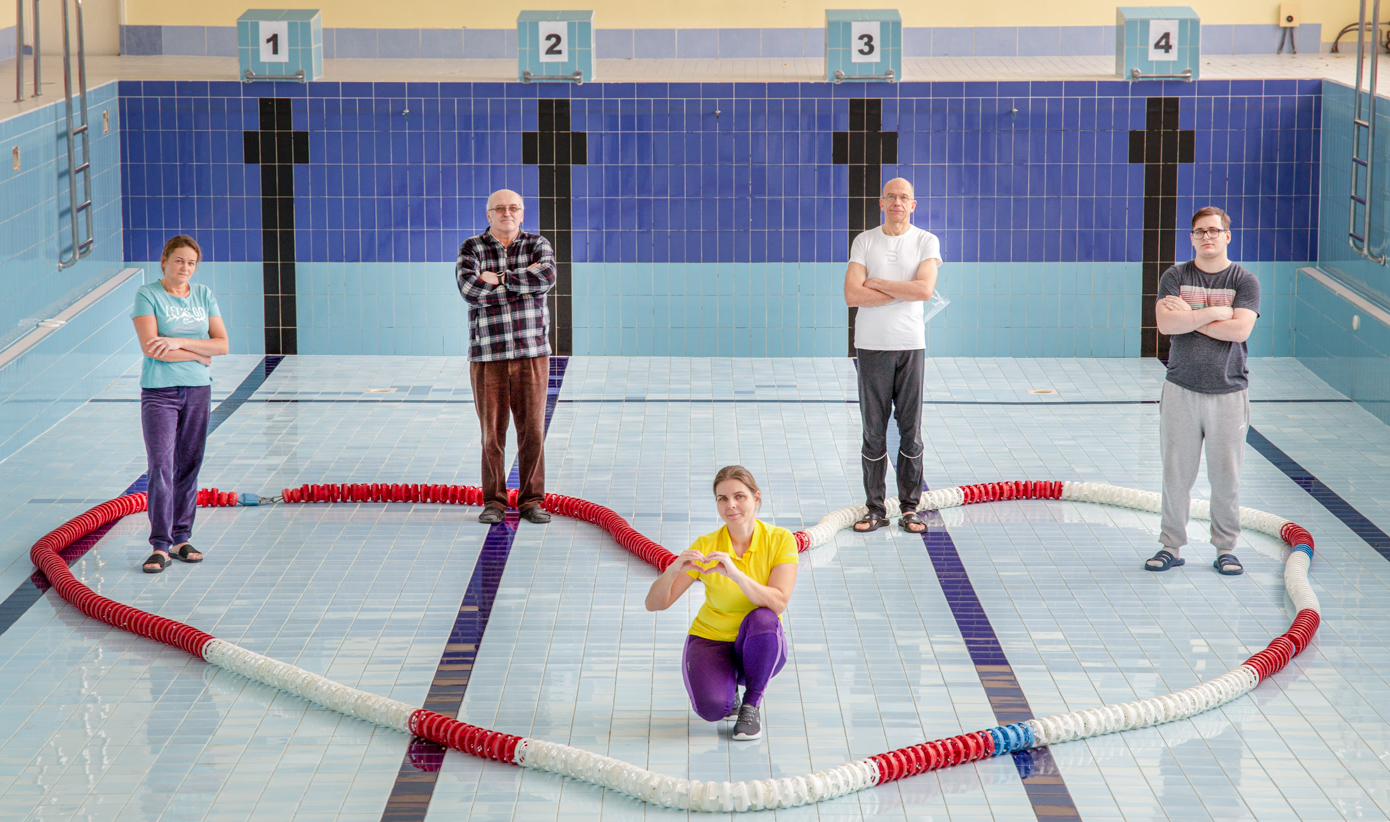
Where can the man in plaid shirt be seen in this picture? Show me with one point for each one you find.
(504, 274)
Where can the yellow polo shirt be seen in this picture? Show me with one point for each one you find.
(725, 604)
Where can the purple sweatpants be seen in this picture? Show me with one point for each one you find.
(175, 422)
(714, 670)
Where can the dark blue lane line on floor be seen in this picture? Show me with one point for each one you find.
(1046, 789)
(1359, 523)
(419, 772)
(29, 592)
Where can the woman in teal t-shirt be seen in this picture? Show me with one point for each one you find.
(180, 330)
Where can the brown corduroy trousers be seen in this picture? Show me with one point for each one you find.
(503, 389)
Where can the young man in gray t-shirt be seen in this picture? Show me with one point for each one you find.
(1208, 306)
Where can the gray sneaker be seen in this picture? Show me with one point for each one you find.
(733, 712)
(749, 725)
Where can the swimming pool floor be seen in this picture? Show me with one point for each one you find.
(96, 724)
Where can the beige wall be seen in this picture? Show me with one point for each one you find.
(643, 14)
(101, 24)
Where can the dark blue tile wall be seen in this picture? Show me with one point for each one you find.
(1005, 172)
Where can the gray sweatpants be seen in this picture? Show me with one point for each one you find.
(1186, 419)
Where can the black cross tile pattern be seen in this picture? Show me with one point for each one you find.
(554, 149)
(1161, 147)
(277, 148)
(865, 148)
(419, 772)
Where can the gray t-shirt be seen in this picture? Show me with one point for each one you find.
(1198, 362)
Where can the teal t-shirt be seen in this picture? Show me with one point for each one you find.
(185, 317)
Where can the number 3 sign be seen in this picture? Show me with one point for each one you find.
(864, 41)
(1163, 40)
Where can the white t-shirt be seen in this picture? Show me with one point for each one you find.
(896, 326)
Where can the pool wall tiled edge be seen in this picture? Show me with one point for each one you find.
(79, 359)
(1353, 360)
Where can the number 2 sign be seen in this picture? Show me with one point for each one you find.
(864, 41)
(554, 43)
(1163, 40)
(275, 41)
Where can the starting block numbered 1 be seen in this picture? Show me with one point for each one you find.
(280, 44)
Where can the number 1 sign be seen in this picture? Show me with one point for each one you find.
(275, 41)
(280, 44)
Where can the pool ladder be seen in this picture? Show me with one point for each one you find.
(81, 211)
(19, 51)
(1364, 119)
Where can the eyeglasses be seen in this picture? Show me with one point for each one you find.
(506, 209)
(901, 198)
(1213, 233)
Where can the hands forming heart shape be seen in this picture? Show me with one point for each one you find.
(708, 563)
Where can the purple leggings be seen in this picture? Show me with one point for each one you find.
(175, 422)
(714, 670)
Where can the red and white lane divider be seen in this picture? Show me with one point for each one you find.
(685, 793)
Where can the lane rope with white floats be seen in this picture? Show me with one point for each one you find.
(672, 791)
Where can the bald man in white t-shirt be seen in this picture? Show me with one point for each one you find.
(892, 271)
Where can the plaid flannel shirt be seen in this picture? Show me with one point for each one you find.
(509, 321)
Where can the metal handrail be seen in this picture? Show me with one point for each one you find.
(1366, 165)
(577, 77)
(250, 75)
(80, 247)
(1136, 74)
(19, 52)
(888, 75)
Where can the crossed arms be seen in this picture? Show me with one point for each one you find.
(483, 287)
(863, 291)
(181, 349)
(1220, 322)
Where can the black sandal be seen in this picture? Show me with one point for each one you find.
(492, 515)
(162, 560)
(910, 518)
(874, 521)
(182, 554)
(1165, 560)
(1228, 565)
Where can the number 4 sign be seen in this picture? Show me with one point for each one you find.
(864, 41)
(275, 41)
(1163, 40)
(554, 43)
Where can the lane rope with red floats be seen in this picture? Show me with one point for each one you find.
(672, 791)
